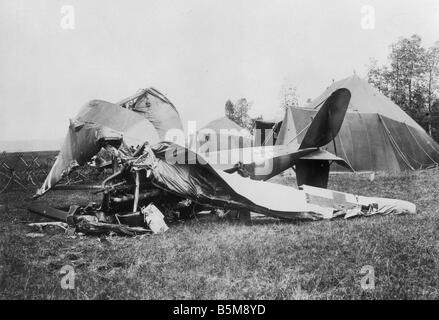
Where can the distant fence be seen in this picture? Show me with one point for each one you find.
(27, 171)
(24, 170)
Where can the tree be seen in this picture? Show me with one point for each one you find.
(410, 78)
(432, 71)
(434, 119)
(378, 77)
(238, 112)
(407, 69)
(230, 110)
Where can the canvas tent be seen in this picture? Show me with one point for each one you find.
(376, 134)
(221, 134)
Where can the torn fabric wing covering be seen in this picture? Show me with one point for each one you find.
(162, 114)
(110, 115)
(82, 142)
(180, 171)
(100, 123)
(350, 205)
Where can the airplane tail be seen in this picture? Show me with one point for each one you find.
(313, 169)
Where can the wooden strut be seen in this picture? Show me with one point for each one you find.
(136, 193)
(74, 187)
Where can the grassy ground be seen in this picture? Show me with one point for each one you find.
(221, 260)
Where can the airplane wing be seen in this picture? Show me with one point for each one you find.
(191, 177)
(100, 123)
(200, 182)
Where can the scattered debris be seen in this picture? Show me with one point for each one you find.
(90, 227)
(154, 219)
(35, 235)
(41, 225)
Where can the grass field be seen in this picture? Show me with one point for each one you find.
(206, 259)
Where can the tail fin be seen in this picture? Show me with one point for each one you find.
(328, 120)
(314, 170)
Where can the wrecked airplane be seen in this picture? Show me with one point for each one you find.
(152, 176)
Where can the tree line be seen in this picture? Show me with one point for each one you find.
(410, 79)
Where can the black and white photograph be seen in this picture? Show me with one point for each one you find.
(237, 152)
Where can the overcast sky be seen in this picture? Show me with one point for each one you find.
(198, 53)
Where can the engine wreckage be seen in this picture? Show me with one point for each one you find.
(161, 176)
